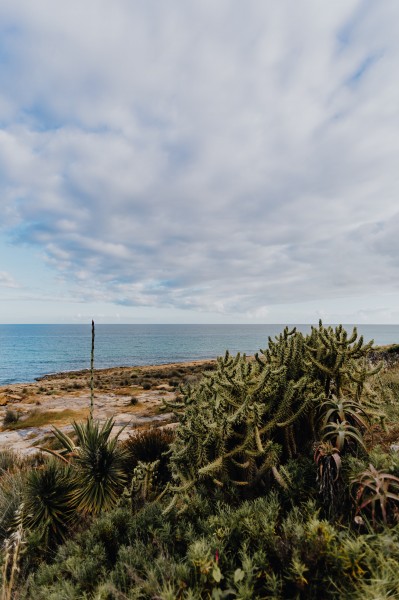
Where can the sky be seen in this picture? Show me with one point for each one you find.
(199, 162)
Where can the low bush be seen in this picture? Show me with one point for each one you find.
(11, 417)
(149, 446)
(38, 418)
(48, 501)
(9, 460)
(256, 550)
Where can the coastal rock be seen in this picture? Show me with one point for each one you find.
(14, 398)
(64, 398)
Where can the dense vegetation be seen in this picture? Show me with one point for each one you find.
(281, 480)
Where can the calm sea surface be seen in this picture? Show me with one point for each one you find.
(29, 351)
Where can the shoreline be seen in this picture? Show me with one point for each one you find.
(116, 368)
(132, 396)
(86, 370)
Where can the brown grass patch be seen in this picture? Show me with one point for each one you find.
(133, 408)
(126, 391)
(48, 417)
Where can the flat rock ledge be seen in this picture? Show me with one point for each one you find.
(133, 396)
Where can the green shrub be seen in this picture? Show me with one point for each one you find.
(11, 416)
(149, 446)
(9, 460)
(255, 550)
(49, 505)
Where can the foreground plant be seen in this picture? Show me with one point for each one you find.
(378, 490)
(98, 464)
(49, 501)
(328, 460)
(12, 549)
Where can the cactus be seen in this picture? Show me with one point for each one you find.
(336, 358)
(246, 418)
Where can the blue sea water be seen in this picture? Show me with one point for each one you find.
(30, 351)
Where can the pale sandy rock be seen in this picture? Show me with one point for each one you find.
(70, 392)
(14, 398)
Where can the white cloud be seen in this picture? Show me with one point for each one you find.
(7, 281)
(214, 157)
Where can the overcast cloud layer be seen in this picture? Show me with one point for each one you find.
(215, 156)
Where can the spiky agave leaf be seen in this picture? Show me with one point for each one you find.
(67, 442)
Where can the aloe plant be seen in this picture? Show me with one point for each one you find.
(328, 461)
(377, 489)
(343, 409)
(342, 434)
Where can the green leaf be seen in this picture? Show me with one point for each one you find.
(239, 575)
(217, 574)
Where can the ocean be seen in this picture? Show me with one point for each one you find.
(31, 351)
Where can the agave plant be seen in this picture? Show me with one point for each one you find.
(377, 489)
(49, 504)
(98, 462)
(97, 458)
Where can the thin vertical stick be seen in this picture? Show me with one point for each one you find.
(92, 371)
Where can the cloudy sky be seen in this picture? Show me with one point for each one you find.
(199, 161)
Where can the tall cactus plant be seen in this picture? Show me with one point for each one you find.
(334, 357)
(245, 419)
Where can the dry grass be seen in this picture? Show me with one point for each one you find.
(127, 391)
(40, 418)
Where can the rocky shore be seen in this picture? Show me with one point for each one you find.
(133, 396)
